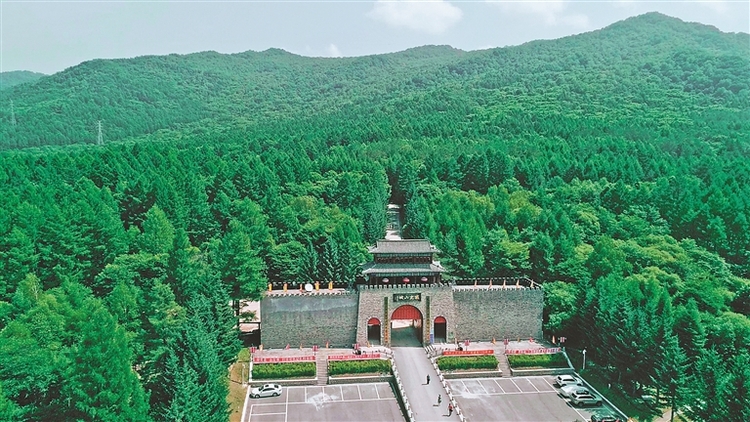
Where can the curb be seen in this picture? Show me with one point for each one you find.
(602, 396)
(451, 399)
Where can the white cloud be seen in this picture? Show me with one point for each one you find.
(333, 51)
(431, 16)
(552, 12)
(717, 6)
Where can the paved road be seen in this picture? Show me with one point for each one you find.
(413, 367)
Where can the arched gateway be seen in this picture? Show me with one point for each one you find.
(373, 331)
(441, 330)
(406, 326)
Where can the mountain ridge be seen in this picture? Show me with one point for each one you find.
(16, 77)
(138, 96)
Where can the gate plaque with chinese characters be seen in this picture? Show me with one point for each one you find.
(407, 297)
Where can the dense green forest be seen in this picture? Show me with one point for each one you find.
(612, 166)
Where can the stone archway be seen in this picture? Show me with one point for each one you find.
(373, 331)
(441, 330)
(406, 326)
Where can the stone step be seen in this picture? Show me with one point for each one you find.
(321, 369)
(502, 359)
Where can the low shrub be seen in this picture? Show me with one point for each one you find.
(371, 366)
(266, 371)
(449, 363)
(243, 355)
(556, 360)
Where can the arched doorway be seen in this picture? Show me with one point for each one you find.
(406, 326)
(440, 330)
(373, 331)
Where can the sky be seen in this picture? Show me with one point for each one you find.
(50, 36)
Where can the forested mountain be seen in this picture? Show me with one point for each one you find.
(611, 166)
(17, 77)
(645, 62)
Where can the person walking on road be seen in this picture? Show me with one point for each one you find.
(450, 409)
(440, 399)
(428, 380)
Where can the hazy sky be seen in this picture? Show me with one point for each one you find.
(49, 36)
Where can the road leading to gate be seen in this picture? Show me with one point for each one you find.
(413, 367)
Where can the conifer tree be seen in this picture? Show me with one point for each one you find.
(100, 382)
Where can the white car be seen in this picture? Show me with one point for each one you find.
(573, 388)
(267, 390)
(563, 380)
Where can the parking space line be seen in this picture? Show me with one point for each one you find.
(485, 390)
(354, 401)
(532, 384)
(521, 393)
(499, 386)
(549, 383)
(286, 404)
(574, 408)
(359, 391)
(514, 383)
(377, 392)
(341, 390)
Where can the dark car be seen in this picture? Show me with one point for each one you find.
(605, 418)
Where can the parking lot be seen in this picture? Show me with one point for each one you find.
(517, 399)
(351, 402)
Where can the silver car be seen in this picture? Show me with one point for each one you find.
(570, 389)
(585, 400)
(267, 390)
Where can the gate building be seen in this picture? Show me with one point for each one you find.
(403, 298)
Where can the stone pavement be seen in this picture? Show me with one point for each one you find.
(413, 367)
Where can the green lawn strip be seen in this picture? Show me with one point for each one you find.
(351, 367)
(451, 363)
(556, 360)
(265, 371)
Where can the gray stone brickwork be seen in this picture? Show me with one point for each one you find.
(309, 319)
(371, 305)
(484, 314)
(340, 318)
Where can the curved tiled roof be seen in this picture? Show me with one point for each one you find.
(404, 246)
(373, 268)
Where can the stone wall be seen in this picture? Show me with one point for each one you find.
(309, 319)
(340, 318)
(373, 302)
(484, 314)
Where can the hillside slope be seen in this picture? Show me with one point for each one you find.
(17, 77)
(642, 62)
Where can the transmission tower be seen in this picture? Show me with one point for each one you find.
(12, 114)
(99, 138)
